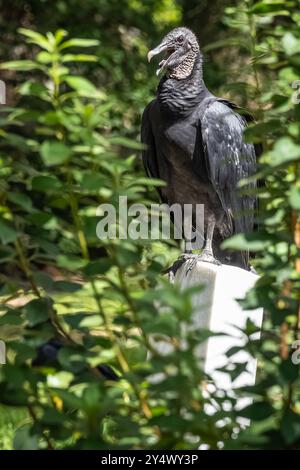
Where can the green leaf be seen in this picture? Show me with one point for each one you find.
(98, 267)
(79, 58)
(11, 318)
(69, 399)
(36, 89)
(61, 379)
(40, 218)
(67, 286)
(74, 319)
(164, 324)
(126, 257)
(43, 279)
(252, 242)
(23, 351)
(291, 44)
(44, 57)
(36, 38)
(148, 182)
(285, 150)
(257, 411)
(54, 153)
(60, 34)
(72, 263)
(265, 8)
(89, 227)
(20, 65)
(295, 197)
(37, 311)
(290, 427)
(76, 42)
(51, 416)
(16, 141)
(289, 371)
(84, 87)
(7, 233)
(21, 200)
(92, 397)
(45, 183)
(72, 359)
(91, 321)
(92, 181)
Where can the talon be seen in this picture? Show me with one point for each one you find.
(191, 261)
(172, 270)
(206, 256)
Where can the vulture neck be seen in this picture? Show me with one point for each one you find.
(179, 98)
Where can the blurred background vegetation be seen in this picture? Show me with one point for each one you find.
(125, 30)
(77, 81)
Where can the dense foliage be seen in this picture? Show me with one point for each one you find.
(67, 145)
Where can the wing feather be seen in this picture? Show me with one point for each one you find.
(229, 159)
(149, 154)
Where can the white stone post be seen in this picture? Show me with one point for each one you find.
(217, 309)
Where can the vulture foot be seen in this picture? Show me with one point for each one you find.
(172, 270)
(191, 261)
(205, 256)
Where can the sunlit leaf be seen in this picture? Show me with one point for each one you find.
(55, 153)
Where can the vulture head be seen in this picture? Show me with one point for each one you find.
(181, 50)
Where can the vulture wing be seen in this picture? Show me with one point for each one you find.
(149, 153)
(228, 159)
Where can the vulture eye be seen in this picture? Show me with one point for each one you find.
(180, 39)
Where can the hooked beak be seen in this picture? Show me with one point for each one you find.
(162, 47)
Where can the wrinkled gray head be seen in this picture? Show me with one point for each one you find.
(182, 49)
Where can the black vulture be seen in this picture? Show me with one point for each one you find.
(194, 142)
